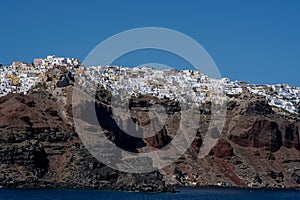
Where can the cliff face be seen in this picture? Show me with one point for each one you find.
(258, 148)
(40, 148)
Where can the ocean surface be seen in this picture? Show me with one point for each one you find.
(184, 193)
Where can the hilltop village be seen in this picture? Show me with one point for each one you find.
(20, 77)
(187, 86)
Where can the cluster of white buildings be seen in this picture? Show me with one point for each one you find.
(19, 77)
(58, 61)
(285, 97)
(187, 86)
(281, 96)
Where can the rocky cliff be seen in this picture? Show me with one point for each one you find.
(259, 147)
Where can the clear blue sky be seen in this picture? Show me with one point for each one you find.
(255, 40)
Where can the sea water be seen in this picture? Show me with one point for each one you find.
(184, 193)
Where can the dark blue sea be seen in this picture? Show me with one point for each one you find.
(184, 193)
